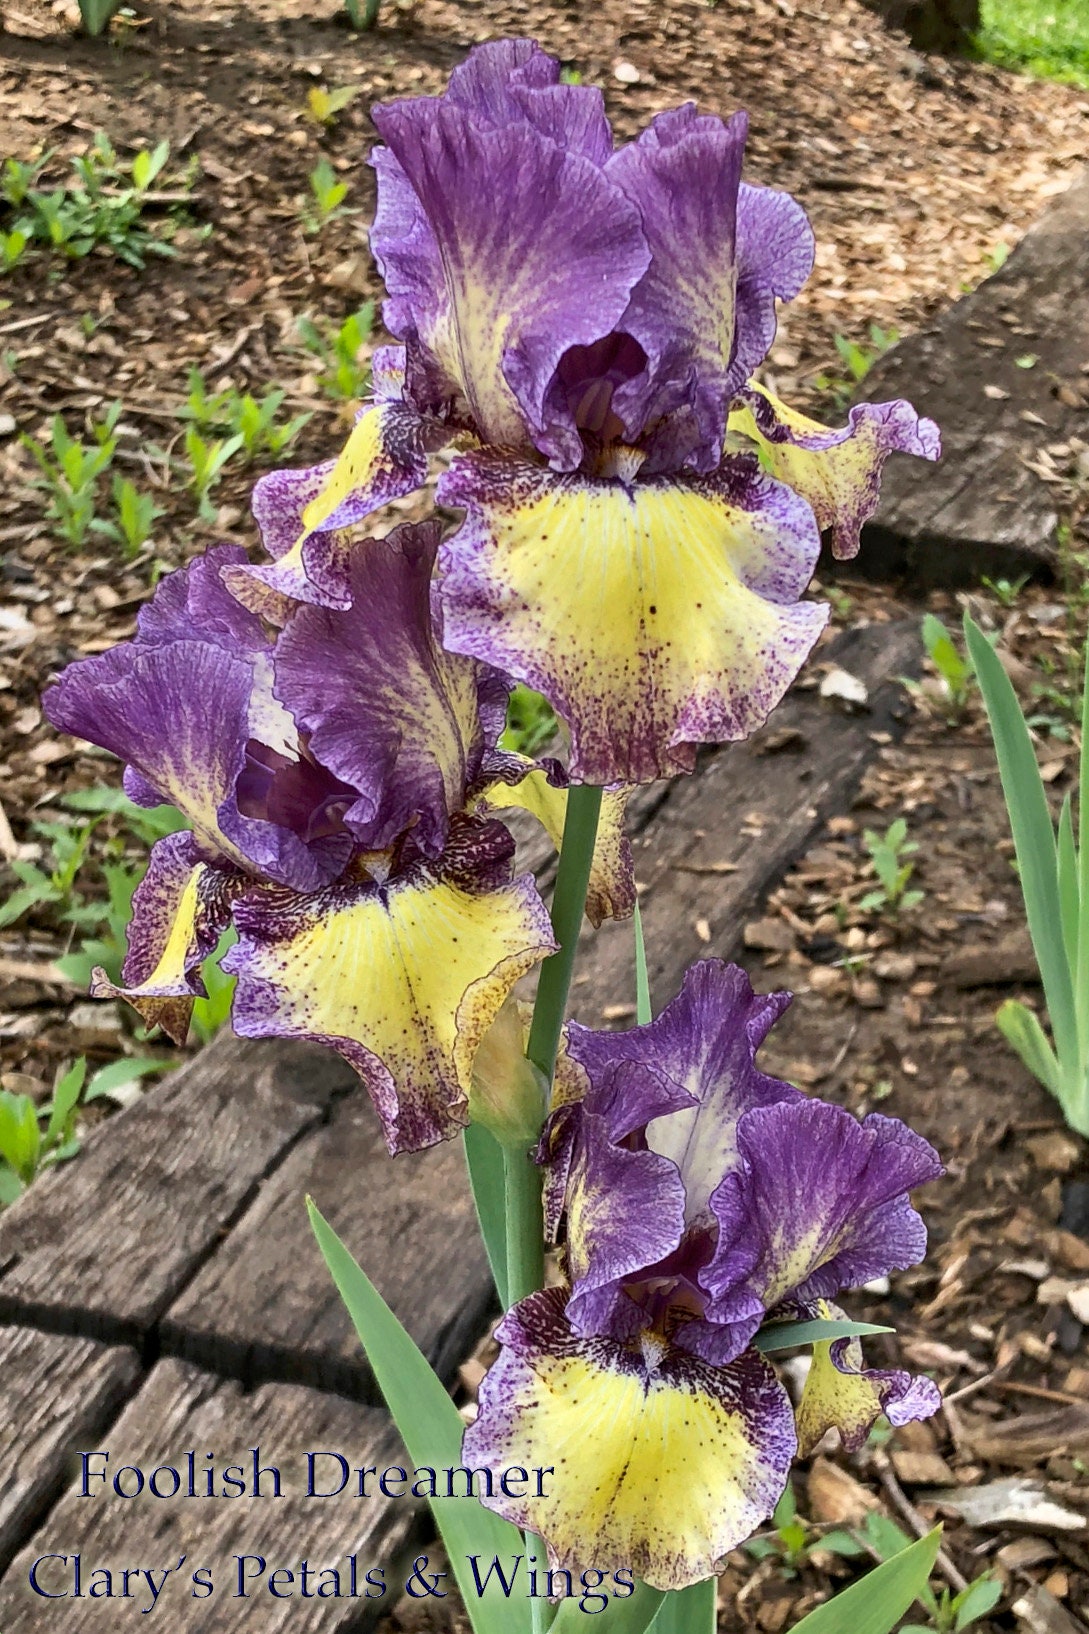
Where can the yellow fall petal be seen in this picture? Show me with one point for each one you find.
(837, 471)
(403, 980)
(653, 617)
(662, 1463)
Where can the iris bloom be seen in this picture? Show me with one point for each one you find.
(640, 518)
(339, 782)
(702, 1199)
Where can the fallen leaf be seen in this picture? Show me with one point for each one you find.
(836, 1496)
(844, 688)
(1016, 1501)
(1042, 1614)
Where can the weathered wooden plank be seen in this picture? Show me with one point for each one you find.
(179, 1409)
(264, 1305)
(57, 1392)
(752, 811)
(982, 510)
(101, 1247)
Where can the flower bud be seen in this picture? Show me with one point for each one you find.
(508, 1094)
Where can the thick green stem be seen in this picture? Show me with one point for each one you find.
(568, 905)
(524, 1216)
(525, 1224)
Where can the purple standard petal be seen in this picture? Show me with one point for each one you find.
(184, 704)
(683, 173)
(625, 1212)
(704, 1042)
(383, 705)
(651, 1459)
(686, 627)
(504, 81)
(553, 269)
(304, 516)
(775, 250)
(819, 1203)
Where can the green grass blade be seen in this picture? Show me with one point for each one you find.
(1022, 1031)
(633, 1616)
(876, 1603)
(484, 1156)
(643, 1012)
(1069, 892)
(1081, 983)
(1033, 837)
(785, 1335)
(689, 1611)
(431, 1428)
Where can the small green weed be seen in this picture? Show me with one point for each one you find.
(362, 14)
(207, 458)
(531, 722)
(1005, 591)
(102, 207)
(887, 852)
(323, 104)
(12, 246)
(25, 1147)
(243, 415)
(135, 517)
(858, 359)
(327, 196)
(793, 1540)
(70, 477)
(955, 675)
(1047, 38)
(344, 372)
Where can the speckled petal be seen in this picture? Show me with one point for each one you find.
(179, 911)
(838, 472)
(775, 249)
(653, 618)
(402, 979)
(819, 1203)
(384, 706)
(611, 890)
(552, 268)
(658, 1462)
(304, 516)
(704, 1042)
(176, 709)
(841, 1393)
(184, 704)
(683, 173)
(625, 1212)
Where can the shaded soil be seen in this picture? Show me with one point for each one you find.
(914, 170)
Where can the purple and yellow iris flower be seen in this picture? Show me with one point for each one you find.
(641, 518)
(701, 1199)
(339, 780)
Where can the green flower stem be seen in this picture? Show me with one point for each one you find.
(525, 1224)
(522, 1181)
(568, 906)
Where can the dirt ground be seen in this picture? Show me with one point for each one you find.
(914, 170)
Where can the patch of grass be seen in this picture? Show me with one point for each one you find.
(101, 207)
(1047, 38)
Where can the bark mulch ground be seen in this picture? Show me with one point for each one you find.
(916, 171)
